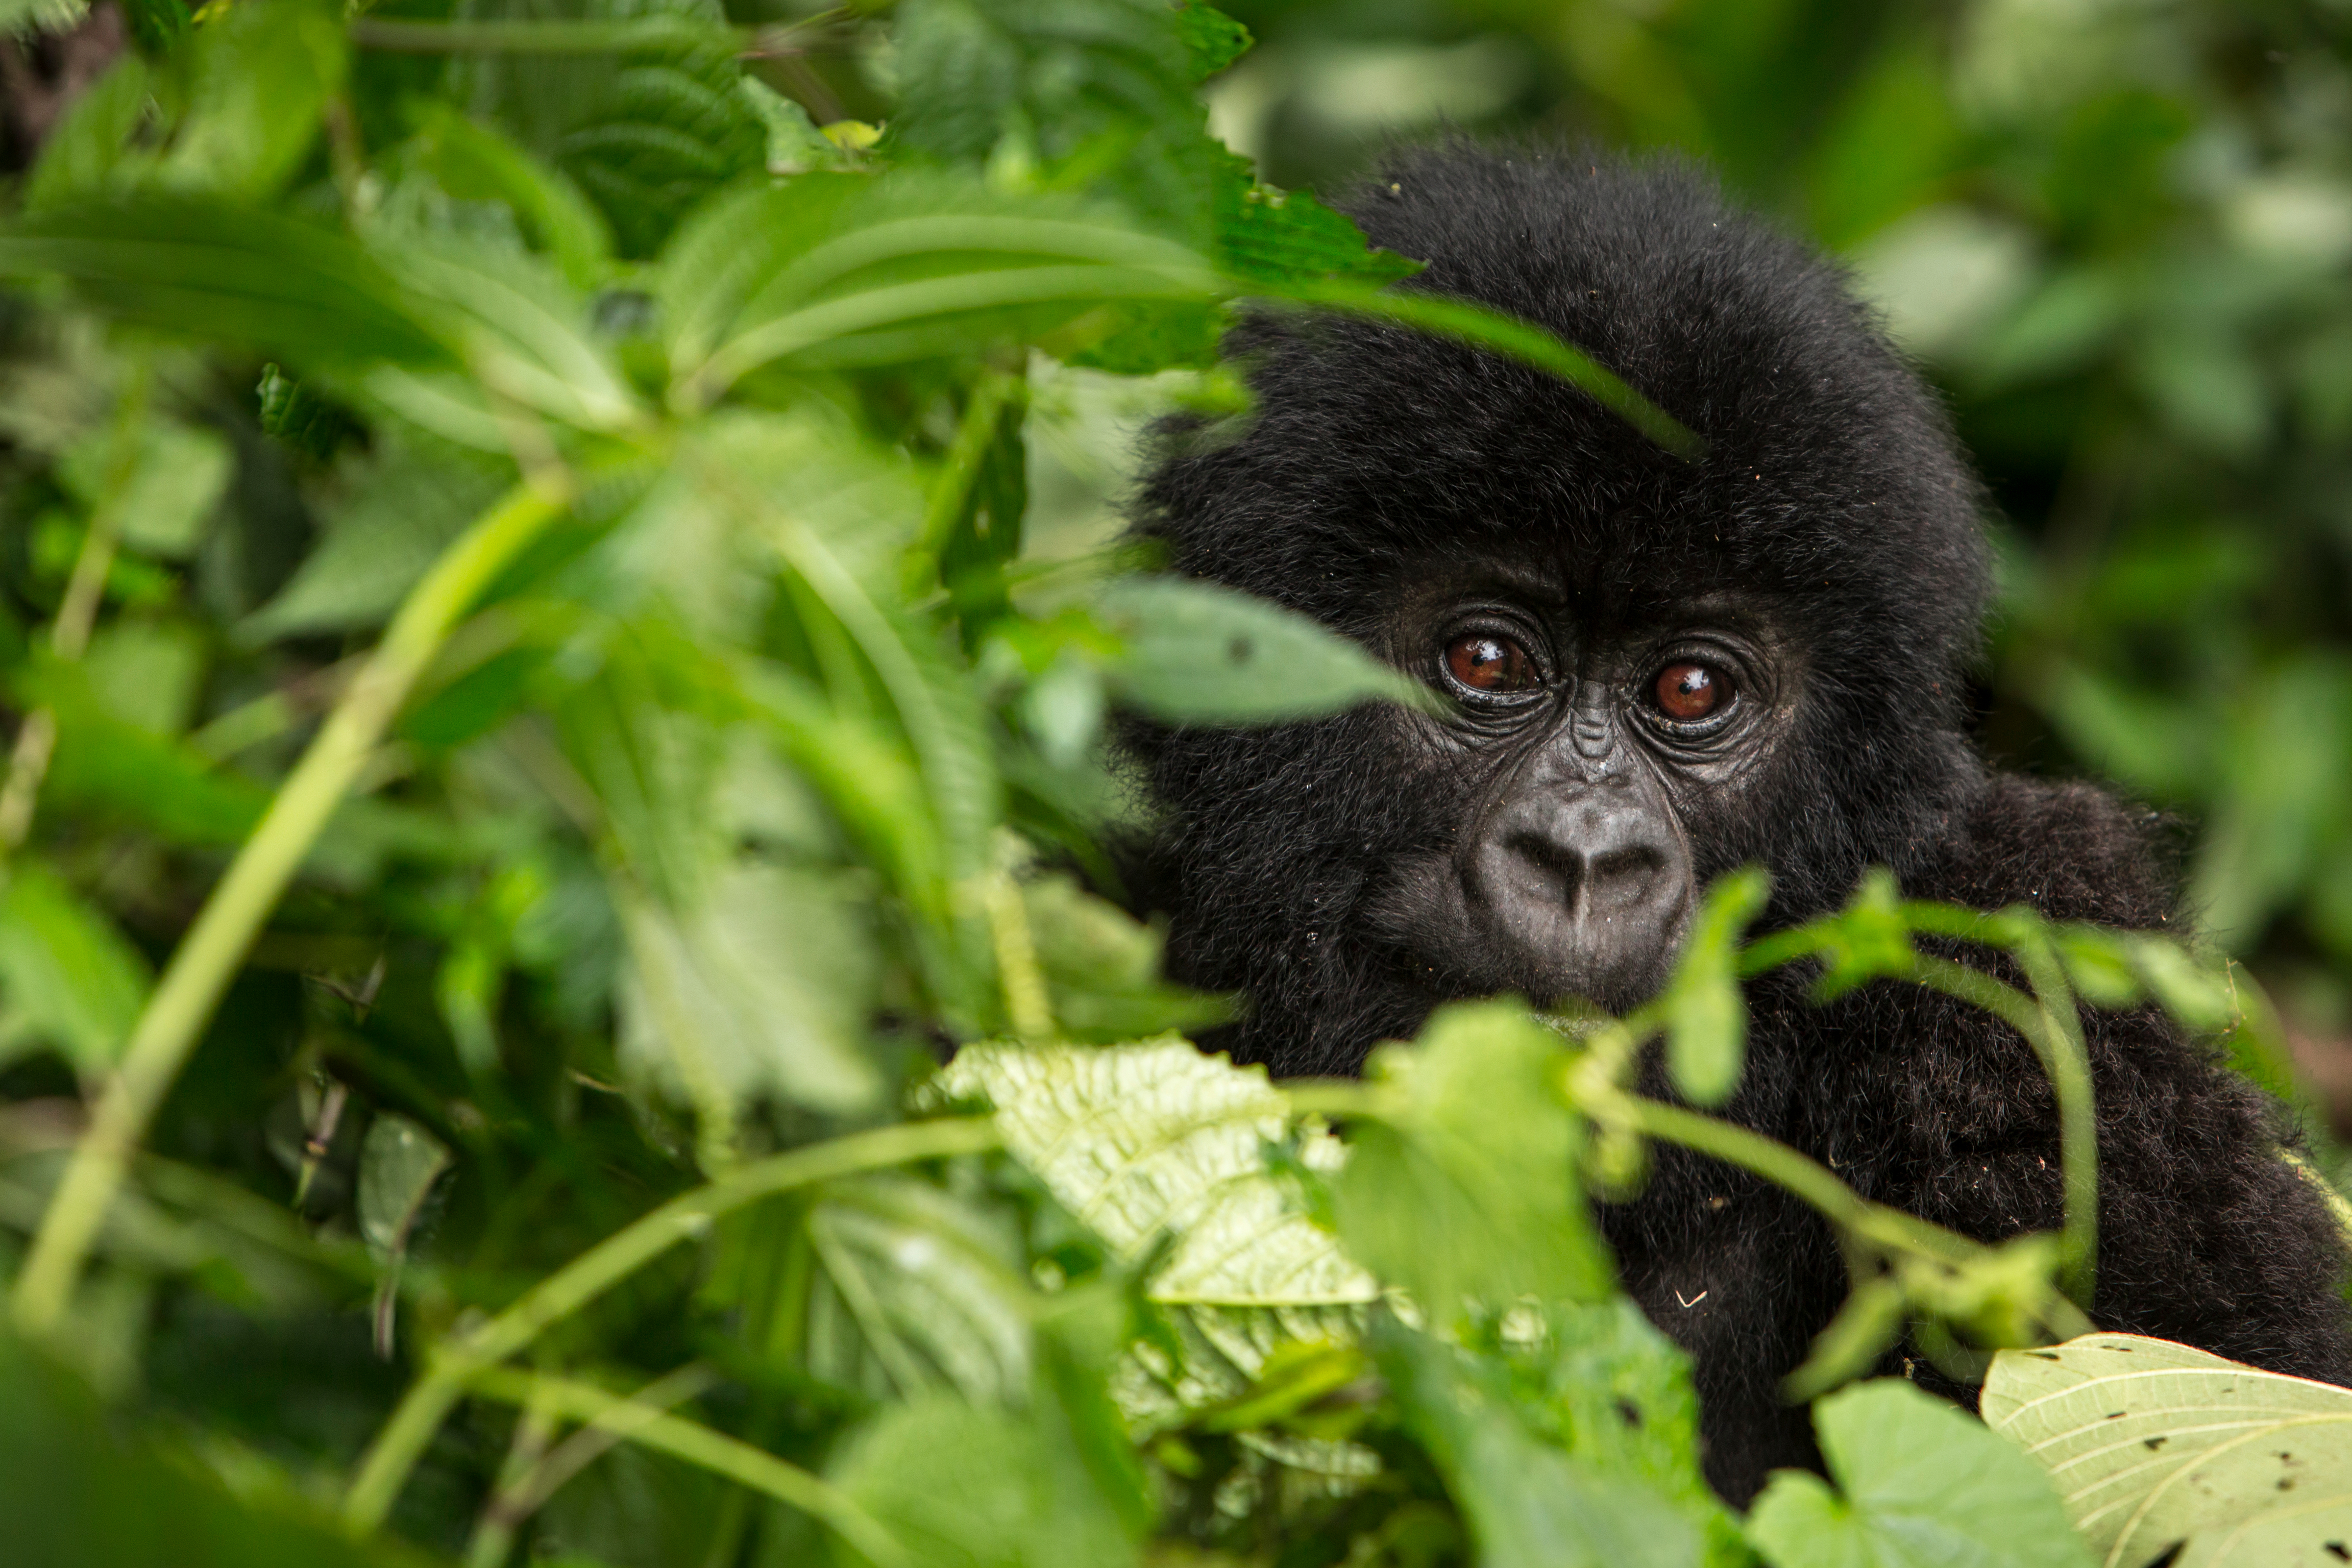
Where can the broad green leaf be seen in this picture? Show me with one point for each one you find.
(147, 672)
(1705, 1015)
(2152, 1444)
(762, 987)
(1919, 1485)
(208, 270)
(67, 978)
(1465, 1189)
(262, 74)
(177, 478)
(964, 1486)
(921, 1293)
(75, 1489)
(1528, 1504)
(1160, 1139)
(1199, 654)
(1269, 236)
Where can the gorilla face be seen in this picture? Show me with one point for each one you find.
(1579, 746)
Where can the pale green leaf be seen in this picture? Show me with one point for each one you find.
(177, 478)
(762, 987)
(86, 147)
(262, 71)
(2152, 1444)
(1705, 1015)
(1199, 654)
(1919, 1485)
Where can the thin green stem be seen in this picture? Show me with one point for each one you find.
(2065, 1060)
(699, 1444)
(200, 970)
(385, 1469)
(958, 471)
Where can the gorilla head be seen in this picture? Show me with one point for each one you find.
(1657, 669)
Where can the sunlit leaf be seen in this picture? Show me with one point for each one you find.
(2152, 1444)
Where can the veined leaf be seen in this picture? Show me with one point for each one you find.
(208, 270)
(1919, 1486)
(476, 160)
(1467, 1190)
(2152, 1444)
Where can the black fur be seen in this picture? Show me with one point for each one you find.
(1832, 487)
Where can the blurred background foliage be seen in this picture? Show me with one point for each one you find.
(2116, 234)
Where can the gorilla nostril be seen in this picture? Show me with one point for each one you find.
(1621, 875)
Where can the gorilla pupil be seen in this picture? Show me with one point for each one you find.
(1489, 664)
(1689, 691)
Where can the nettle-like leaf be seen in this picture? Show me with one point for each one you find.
(1159, 1144)
(2157, 1446)
(1464, 1189)
(1919, 1485)
(1199, 654)
(1529, 1503)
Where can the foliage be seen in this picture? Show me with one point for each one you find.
(555, 998)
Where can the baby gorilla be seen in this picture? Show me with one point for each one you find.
(1657, 670)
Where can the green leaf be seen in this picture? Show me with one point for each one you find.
(1212, 40)
(1199, 654)
(477, 162)
(1919, 1485)
(75, 1490)
(1271, 236)
(147, 672)
(2153, 1444)
(921, 1294)
(1157, 1139)
(1465, 1189)
(403, 501)
(67, 978)
(761, 987)
(840, 270)
(208, 270)
(1102, 968)
(963, 1487)
(400, 1165)
(85, 149)
(1866, 940)
(178, 476)
(1528, 1504)
(1705, 1013)
(262, 72)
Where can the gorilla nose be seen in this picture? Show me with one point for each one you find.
(1593, 893)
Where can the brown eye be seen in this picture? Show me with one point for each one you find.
(1484, 662)
(1689, 692)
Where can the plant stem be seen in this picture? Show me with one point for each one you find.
(699, 1444)
(2065, 1060)
(200, 970)
(386, 1465)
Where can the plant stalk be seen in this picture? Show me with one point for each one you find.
(385, 1469)
(208, 957)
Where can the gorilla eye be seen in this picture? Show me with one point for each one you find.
(1484, 662)
(1687, 693)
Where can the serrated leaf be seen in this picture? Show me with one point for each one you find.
(1273, 236)
(1466, 1189)
(2153, 1444)
(1199, 654)
(1706, 1013)
(1528, 1504)
(1919, 1485)
(1212, 40)
(762, 986)
(1159, 1137)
